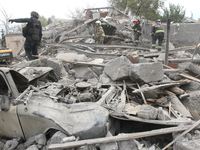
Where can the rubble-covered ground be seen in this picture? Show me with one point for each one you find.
(147, 101)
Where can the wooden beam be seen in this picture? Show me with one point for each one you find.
(187, 76)
(182, 134)
(162, 86)
(83, 63)
(122, 137)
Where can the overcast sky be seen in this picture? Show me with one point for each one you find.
(60, 8)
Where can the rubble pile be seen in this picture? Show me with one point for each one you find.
(81, 95)
(138, 92)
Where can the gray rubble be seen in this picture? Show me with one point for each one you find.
(129, 84)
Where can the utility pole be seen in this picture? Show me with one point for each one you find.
(167, 42)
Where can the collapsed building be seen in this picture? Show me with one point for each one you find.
(112, 96)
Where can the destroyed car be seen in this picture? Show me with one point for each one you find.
(25, 111)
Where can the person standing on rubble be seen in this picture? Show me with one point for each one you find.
(33, 34)
(157, 33)
(100, 34)
(137, 31)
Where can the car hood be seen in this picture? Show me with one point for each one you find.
(86, 120)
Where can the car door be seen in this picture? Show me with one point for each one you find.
(9, 123)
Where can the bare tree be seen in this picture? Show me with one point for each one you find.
(77, 13)
(4, 20)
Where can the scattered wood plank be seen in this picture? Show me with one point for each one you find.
(122, 100)
(107, 95)
(185, 75)
(176, 90)
(122, 137)
(182, 134)
(89, 54)
(163, 86)
(121, 47)
(62, 38)
(157, 101)
(178, 106)
(183, 48)
(92, 36)
(143, 97)
(84, 63)
(131, 109)
(196, 60)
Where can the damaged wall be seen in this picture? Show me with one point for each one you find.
(15, 42)
(181, 34)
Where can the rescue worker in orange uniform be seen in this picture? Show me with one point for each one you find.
(137, 31)
(99, 33)
(157, 33)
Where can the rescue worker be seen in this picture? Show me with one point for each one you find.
(99, 33)
(158, 23)
(157, 33)
(33, 34)
(137, 31)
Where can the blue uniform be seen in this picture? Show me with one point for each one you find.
(31, 43)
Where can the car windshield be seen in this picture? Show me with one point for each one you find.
(3, 86)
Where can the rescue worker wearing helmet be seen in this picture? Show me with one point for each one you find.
(157, 33)
(137, 31)
(100, 34)
(32, 32)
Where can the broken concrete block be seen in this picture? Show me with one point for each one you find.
(174, 75)
(35, 63)
(97, 70)
(146, 72)
(57, 66)
(149, 94)
(162, 115)
(40, 139)
(189, 141)
(20, 147)
(32, 147)
(72, 57)
(56, 138)
(192, 102)
(118, 69)
(143, 60)
(72, 72)
(105, 79)
(189, 66)
(11, 144)
(68, 66)
(86, 147)
(147, 112)
(110, 145)
(89, 74)
(127, 145)
(93, 81)
(80, 71)
(192, 86)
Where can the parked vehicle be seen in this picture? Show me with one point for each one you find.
(26, 111)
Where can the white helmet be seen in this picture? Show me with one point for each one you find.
(98, 22)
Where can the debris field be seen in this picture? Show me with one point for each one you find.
(113, 96)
